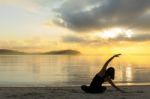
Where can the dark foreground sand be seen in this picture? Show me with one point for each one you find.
(134, 92)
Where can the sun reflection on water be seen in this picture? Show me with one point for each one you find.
(129, 76)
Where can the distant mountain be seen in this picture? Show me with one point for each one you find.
(60, 52)
(10, 52)
(63, 52)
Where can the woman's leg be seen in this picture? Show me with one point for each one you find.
(98, 90)
(85, 88)
(103, 89)
(88, 89)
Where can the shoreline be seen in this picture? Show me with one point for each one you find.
(72, 92)
(46, 85)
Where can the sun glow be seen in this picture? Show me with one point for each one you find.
(114, 33)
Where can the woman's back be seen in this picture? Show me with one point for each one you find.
(97, 81)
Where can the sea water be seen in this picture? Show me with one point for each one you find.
(66, 70)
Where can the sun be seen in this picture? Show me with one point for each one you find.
(114, 33)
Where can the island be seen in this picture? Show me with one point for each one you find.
(58, 52)
(63, 52)
(11, 52)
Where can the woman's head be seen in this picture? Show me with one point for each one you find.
(110, 72)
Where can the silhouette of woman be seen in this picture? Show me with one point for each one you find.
(102, 76)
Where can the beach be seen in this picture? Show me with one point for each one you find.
(133, 92)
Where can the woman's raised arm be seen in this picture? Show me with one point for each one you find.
(102, 71)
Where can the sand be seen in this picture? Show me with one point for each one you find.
(134, 92)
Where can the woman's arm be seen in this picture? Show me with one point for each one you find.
(102, 71)
(113, 85)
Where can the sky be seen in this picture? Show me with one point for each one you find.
(90, 26)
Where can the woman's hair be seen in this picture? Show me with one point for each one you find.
(110, 72)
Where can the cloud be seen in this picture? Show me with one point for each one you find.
(137, 37)
(97, 41)
(88, 15)
(73, 39)
(84, 40)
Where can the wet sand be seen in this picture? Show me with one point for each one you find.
(134, 92)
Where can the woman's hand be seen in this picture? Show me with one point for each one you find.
(117, 55)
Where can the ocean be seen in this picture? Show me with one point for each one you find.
(65, 70)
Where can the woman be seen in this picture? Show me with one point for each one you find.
(102, 76)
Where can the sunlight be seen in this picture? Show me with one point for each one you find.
(129, 73)
(128, 33)
(114, 33)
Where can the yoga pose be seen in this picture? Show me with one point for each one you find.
(102, 76)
